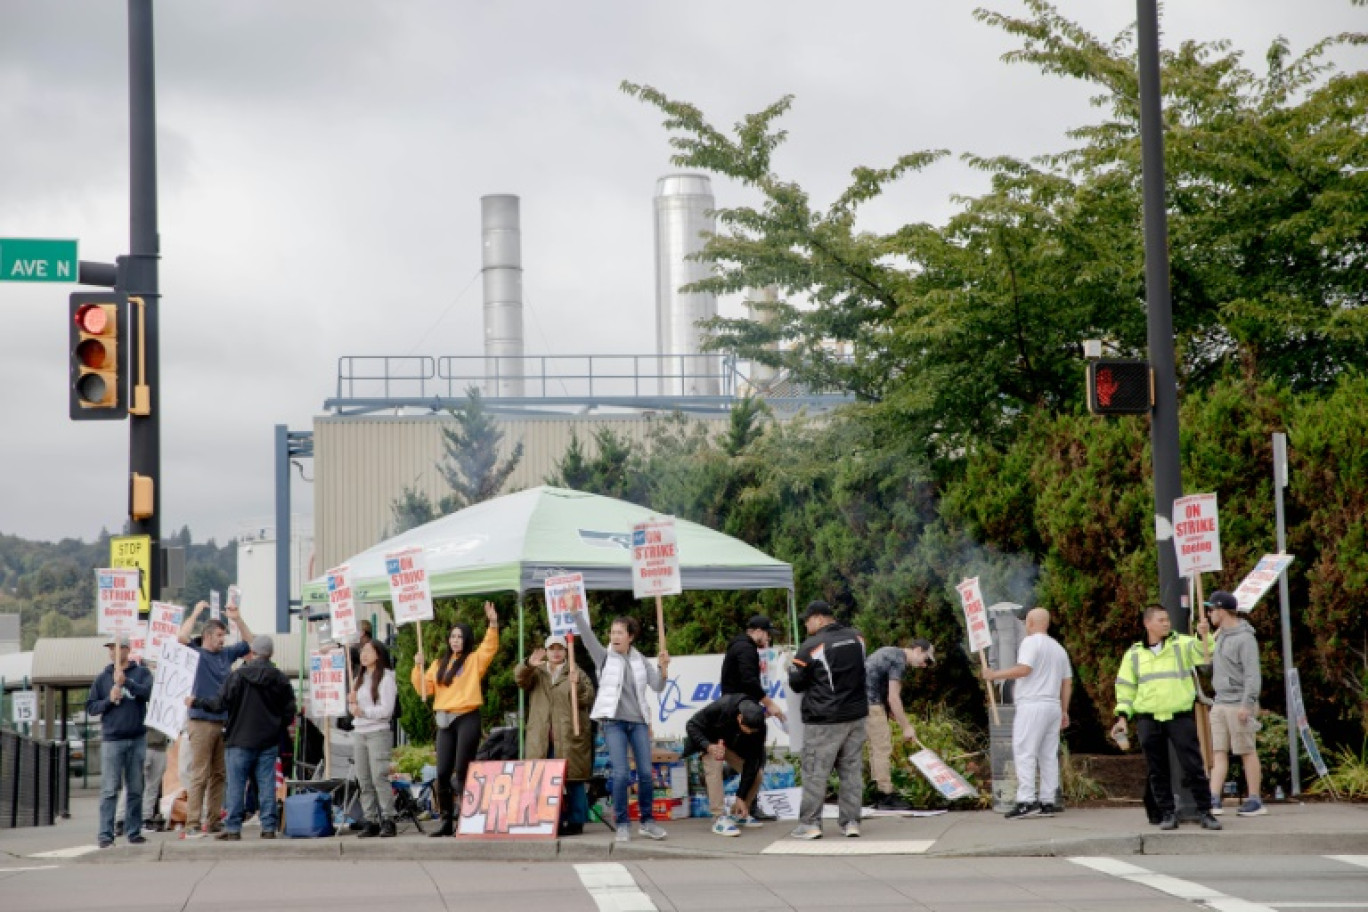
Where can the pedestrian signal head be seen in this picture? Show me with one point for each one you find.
(1117, 387)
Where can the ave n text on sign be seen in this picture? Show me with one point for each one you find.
(38, 260)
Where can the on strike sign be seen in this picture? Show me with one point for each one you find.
(1260, 580)
(948, 782)
(116, 597)
(341, 604)
(655, 559)
(327, 683)
(410, 590)
(564, 599)
(975, 614)
(1196, 534)
(163, 624)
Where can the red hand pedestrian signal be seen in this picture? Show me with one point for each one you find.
(1118, 387)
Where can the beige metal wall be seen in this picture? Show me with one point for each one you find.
(362, 464)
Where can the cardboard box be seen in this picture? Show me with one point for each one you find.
(662, 809)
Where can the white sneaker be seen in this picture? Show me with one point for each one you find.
(806, 831)
(725, 826)
(624, 833)
(652, 830)
(850, 830)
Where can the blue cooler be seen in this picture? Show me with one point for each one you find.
(308, 815)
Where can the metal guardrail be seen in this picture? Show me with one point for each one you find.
(34, 781)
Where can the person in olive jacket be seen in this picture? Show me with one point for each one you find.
(548, 679)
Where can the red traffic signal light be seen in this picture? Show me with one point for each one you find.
(98, 382)
(1117, 387)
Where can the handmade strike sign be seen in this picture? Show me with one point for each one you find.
(512, 799)
(116, 599)
(175, 679)
(655, 559)
(410, 589)
(946, 781)
(328, 683)
(976, 620)
(163, 624)
(564, 599)
(1261, 579)
(341, 604)
(1196, 534)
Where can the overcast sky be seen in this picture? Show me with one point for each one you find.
(321, 166)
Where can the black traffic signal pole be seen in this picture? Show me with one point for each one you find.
(137, 272)
(1168, 479)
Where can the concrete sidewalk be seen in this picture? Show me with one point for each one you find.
(1288, 829)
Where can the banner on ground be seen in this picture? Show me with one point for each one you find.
(163, 623)
(1261, 579)
(328, 683)
(174, 681)
(410, 588)
(655, 559)
(512, 799)
(341, 605)
(1196, 534)
(116, 600)
(1304, 727)
(565, 597)
(946, 781)
(975, 615)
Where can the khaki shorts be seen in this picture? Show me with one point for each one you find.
(1228, 734)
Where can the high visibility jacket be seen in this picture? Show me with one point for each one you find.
(1159, 685)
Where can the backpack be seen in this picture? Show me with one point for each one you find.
(501, 744)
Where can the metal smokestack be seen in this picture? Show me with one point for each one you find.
(683, 216)
(501, 233)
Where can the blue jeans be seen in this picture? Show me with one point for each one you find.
(121, 763)
(618, 735)
(243, 764)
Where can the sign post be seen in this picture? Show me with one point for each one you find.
(976, 620)
(38, 260)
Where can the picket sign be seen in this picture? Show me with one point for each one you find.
(327, 683)
(1197, 534)
(411, 595)
(655, 565)
(342, 604)
(1261, 579)
(976, 620)
(215, 606)
(117, 591)
(565, 598)
(163, 623)
(175, 680)
(946, 781)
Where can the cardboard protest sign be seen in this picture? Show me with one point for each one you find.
(116, 598)
(1303, 727)
(24, 707)
(512, 799)
(342, 604)
(328, 683)
(173, 682)
(137, 644)
(1196, 534)
(565, 598)
(410, 588)
(163, 623)
(975, 615)
(655, 559)
(946, 781)
(1261, 579)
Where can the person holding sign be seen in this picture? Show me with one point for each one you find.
(208, 774)
(260, 704)
(1045, 684)
(1235, 715)
(621, 707)
(371, 704)
(829, 671)
(119, 697)
(1154, 687)
(552, 684)
(453, 680)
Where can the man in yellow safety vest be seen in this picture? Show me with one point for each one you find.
(1154, 687)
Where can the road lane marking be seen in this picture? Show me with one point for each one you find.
(1173, 886)
(73, 852)
(849, 847)
(1360, 860)
(613, 888)
(29, 868)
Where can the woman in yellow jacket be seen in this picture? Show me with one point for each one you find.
(453, 681)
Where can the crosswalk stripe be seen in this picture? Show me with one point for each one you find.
(849, 847)
(1360, 860)
(1173, 886)
(73, 852)
(613, 888)
(29, 868)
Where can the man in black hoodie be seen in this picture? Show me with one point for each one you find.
(119, 697)
(741, 671)
(731, 731)
(260, 702)
(829, 671)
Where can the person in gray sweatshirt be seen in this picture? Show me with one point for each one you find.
(1235, 715)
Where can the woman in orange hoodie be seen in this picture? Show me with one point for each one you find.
(453, 681)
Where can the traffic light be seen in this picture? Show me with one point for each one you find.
(1117, 387)
(98, 362)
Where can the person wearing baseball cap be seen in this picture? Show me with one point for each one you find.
(119, 696)
(742, 669)
(1235, 715)
(555, 692)
(884, 671)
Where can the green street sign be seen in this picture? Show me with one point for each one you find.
(38, 260)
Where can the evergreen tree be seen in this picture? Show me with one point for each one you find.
(471, 464)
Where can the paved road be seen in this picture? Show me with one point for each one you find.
(1090, 884)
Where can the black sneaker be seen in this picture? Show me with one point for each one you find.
(892, 802)
(268, 834)
(118, 828)
(760, 815)
(229, 836)
(1209, 822)
(1170, 822)
(1048, 810)
(137, 839)
(371, 831)
(1023, 809)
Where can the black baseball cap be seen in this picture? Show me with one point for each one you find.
(752, 714)
(760, 622)
(1223, 600)
(817, 607)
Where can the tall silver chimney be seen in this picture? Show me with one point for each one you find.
(683, 215)
(501, 233)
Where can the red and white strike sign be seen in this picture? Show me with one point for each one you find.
(975, 615)
(565, 598)
(116, 598)
(655, 559)
(1196, 534)
(342, 604)
(410, 588)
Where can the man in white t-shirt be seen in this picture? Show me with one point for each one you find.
(1044, 684)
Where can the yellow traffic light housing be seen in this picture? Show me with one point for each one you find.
(98, 383)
